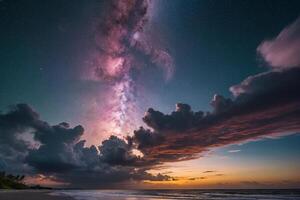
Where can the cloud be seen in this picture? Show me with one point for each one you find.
(145, 138)
(209, 171)
(61, 154)
(220, 104)
(197, 178)
(234, 151)
(116, 151)
(57, 143)
(17, 121)
(284, 50)
(181, 119)
(266, 104)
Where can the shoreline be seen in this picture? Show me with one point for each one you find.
(252, 194)
(31, 195)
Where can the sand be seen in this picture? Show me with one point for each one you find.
(30, 195)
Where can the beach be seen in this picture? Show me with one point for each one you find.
(150, 194)
(30, 195)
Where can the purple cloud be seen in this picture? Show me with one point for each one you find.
(284, 50)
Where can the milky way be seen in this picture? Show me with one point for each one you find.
(123, 48)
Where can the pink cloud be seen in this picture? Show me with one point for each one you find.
(284, 50)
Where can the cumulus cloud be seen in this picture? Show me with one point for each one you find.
(220, 104)
(57, 143)
(284, 50)
(116, 151)
(144, 138)
(182, 118)
(17, 121)
(61, 154)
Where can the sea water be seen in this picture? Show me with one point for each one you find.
(180, 194)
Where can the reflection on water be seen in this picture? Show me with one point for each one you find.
(180, 194)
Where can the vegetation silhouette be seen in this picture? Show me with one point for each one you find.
(9, 181)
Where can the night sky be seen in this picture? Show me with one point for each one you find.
(85, 70)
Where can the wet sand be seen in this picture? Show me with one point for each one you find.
(30, 195)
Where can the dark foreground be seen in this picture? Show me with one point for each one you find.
(30, 195)
(151, 195)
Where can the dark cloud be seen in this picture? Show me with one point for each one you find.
(54, 141)
(145, 138)
(209, 171)
(182, 119)
(57, 143)
(116, 151)
(13, 149)
(220, 104)
(107, 176)
(265, 104)
(197, 178)
(61, 154)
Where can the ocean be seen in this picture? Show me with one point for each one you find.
(180, 194)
